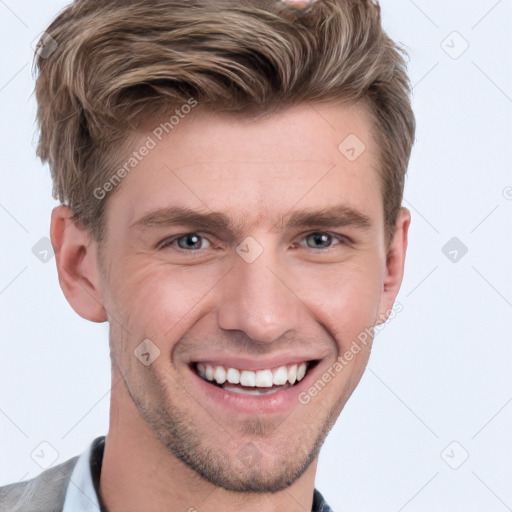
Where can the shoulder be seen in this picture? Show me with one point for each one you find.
(44, 493)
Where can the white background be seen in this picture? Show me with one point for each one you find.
(440, 371)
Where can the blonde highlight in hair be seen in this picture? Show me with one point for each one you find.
(118, 63)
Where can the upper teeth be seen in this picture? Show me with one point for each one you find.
(260, 378)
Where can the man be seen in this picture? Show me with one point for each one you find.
(231, 177)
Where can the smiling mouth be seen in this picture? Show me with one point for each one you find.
(249, 382)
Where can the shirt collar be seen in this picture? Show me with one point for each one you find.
(82, 494)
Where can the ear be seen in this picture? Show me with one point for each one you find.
(395, 262)
(77, 264)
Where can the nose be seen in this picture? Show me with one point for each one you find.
(258, 298)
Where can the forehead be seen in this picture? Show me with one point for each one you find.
(254, 170)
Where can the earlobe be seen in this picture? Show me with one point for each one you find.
(395, 263)
(77, 265)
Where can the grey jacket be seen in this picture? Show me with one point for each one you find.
(44, 493)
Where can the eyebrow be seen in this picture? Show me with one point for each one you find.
(336, 216)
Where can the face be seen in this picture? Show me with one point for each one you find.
(249, 255)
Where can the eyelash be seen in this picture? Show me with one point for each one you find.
(342, 239)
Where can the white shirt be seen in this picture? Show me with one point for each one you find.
(81, 495)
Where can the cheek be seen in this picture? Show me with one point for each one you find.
(344, 299)
(158, 299)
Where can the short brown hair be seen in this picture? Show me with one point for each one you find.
(117, 62)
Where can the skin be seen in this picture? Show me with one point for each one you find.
(168, 446)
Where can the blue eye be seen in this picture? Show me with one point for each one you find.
(188, 242)
(322, 240)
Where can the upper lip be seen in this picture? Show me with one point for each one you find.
(253, 363)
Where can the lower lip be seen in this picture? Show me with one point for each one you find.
(278, 402)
